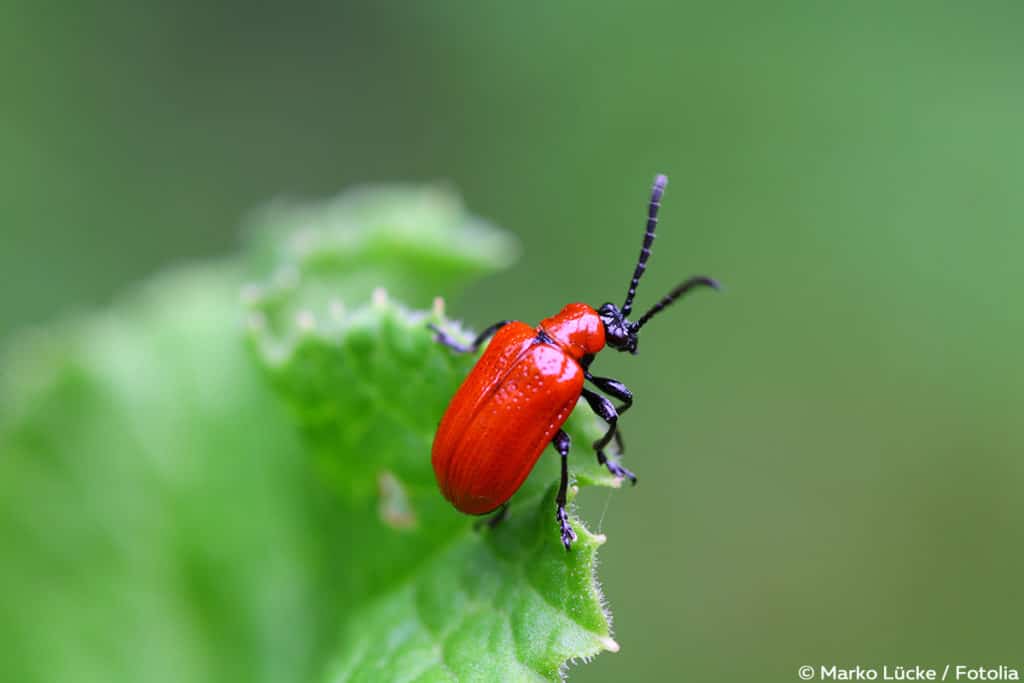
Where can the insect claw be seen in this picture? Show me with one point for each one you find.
(619, 471)
(568, 533)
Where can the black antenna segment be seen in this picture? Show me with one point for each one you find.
(645, 252)
(680, 290)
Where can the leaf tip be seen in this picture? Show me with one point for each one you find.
(251, 293)
(257, 322)
(609, 644)
(305, 321)
(336, 308)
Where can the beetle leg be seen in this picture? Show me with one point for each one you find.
(615, 389)
(618, 441)
(606, 411)
(561, 443)
(494, 520)
(442, 338)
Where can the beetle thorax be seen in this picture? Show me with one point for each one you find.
(577, 328)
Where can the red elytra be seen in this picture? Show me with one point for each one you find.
(517, 396)
(523, 388)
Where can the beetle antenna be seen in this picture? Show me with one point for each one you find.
(660, 181)
(692, 283)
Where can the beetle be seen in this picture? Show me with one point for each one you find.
(516, 398)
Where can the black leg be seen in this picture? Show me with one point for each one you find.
(494, 520)
(618, 441)
(615, 389)
(561, 443)
(445, 340)
(606, 411)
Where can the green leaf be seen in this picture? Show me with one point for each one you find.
(163, 516)
(150, 490)
(418, 241)
(432, 599)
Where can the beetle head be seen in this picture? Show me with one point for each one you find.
(619, 333)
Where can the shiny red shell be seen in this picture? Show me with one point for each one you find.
(509, 407)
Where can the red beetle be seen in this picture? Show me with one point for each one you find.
(519, 394)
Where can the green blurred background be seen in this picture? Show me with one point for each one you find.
(829, 454)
